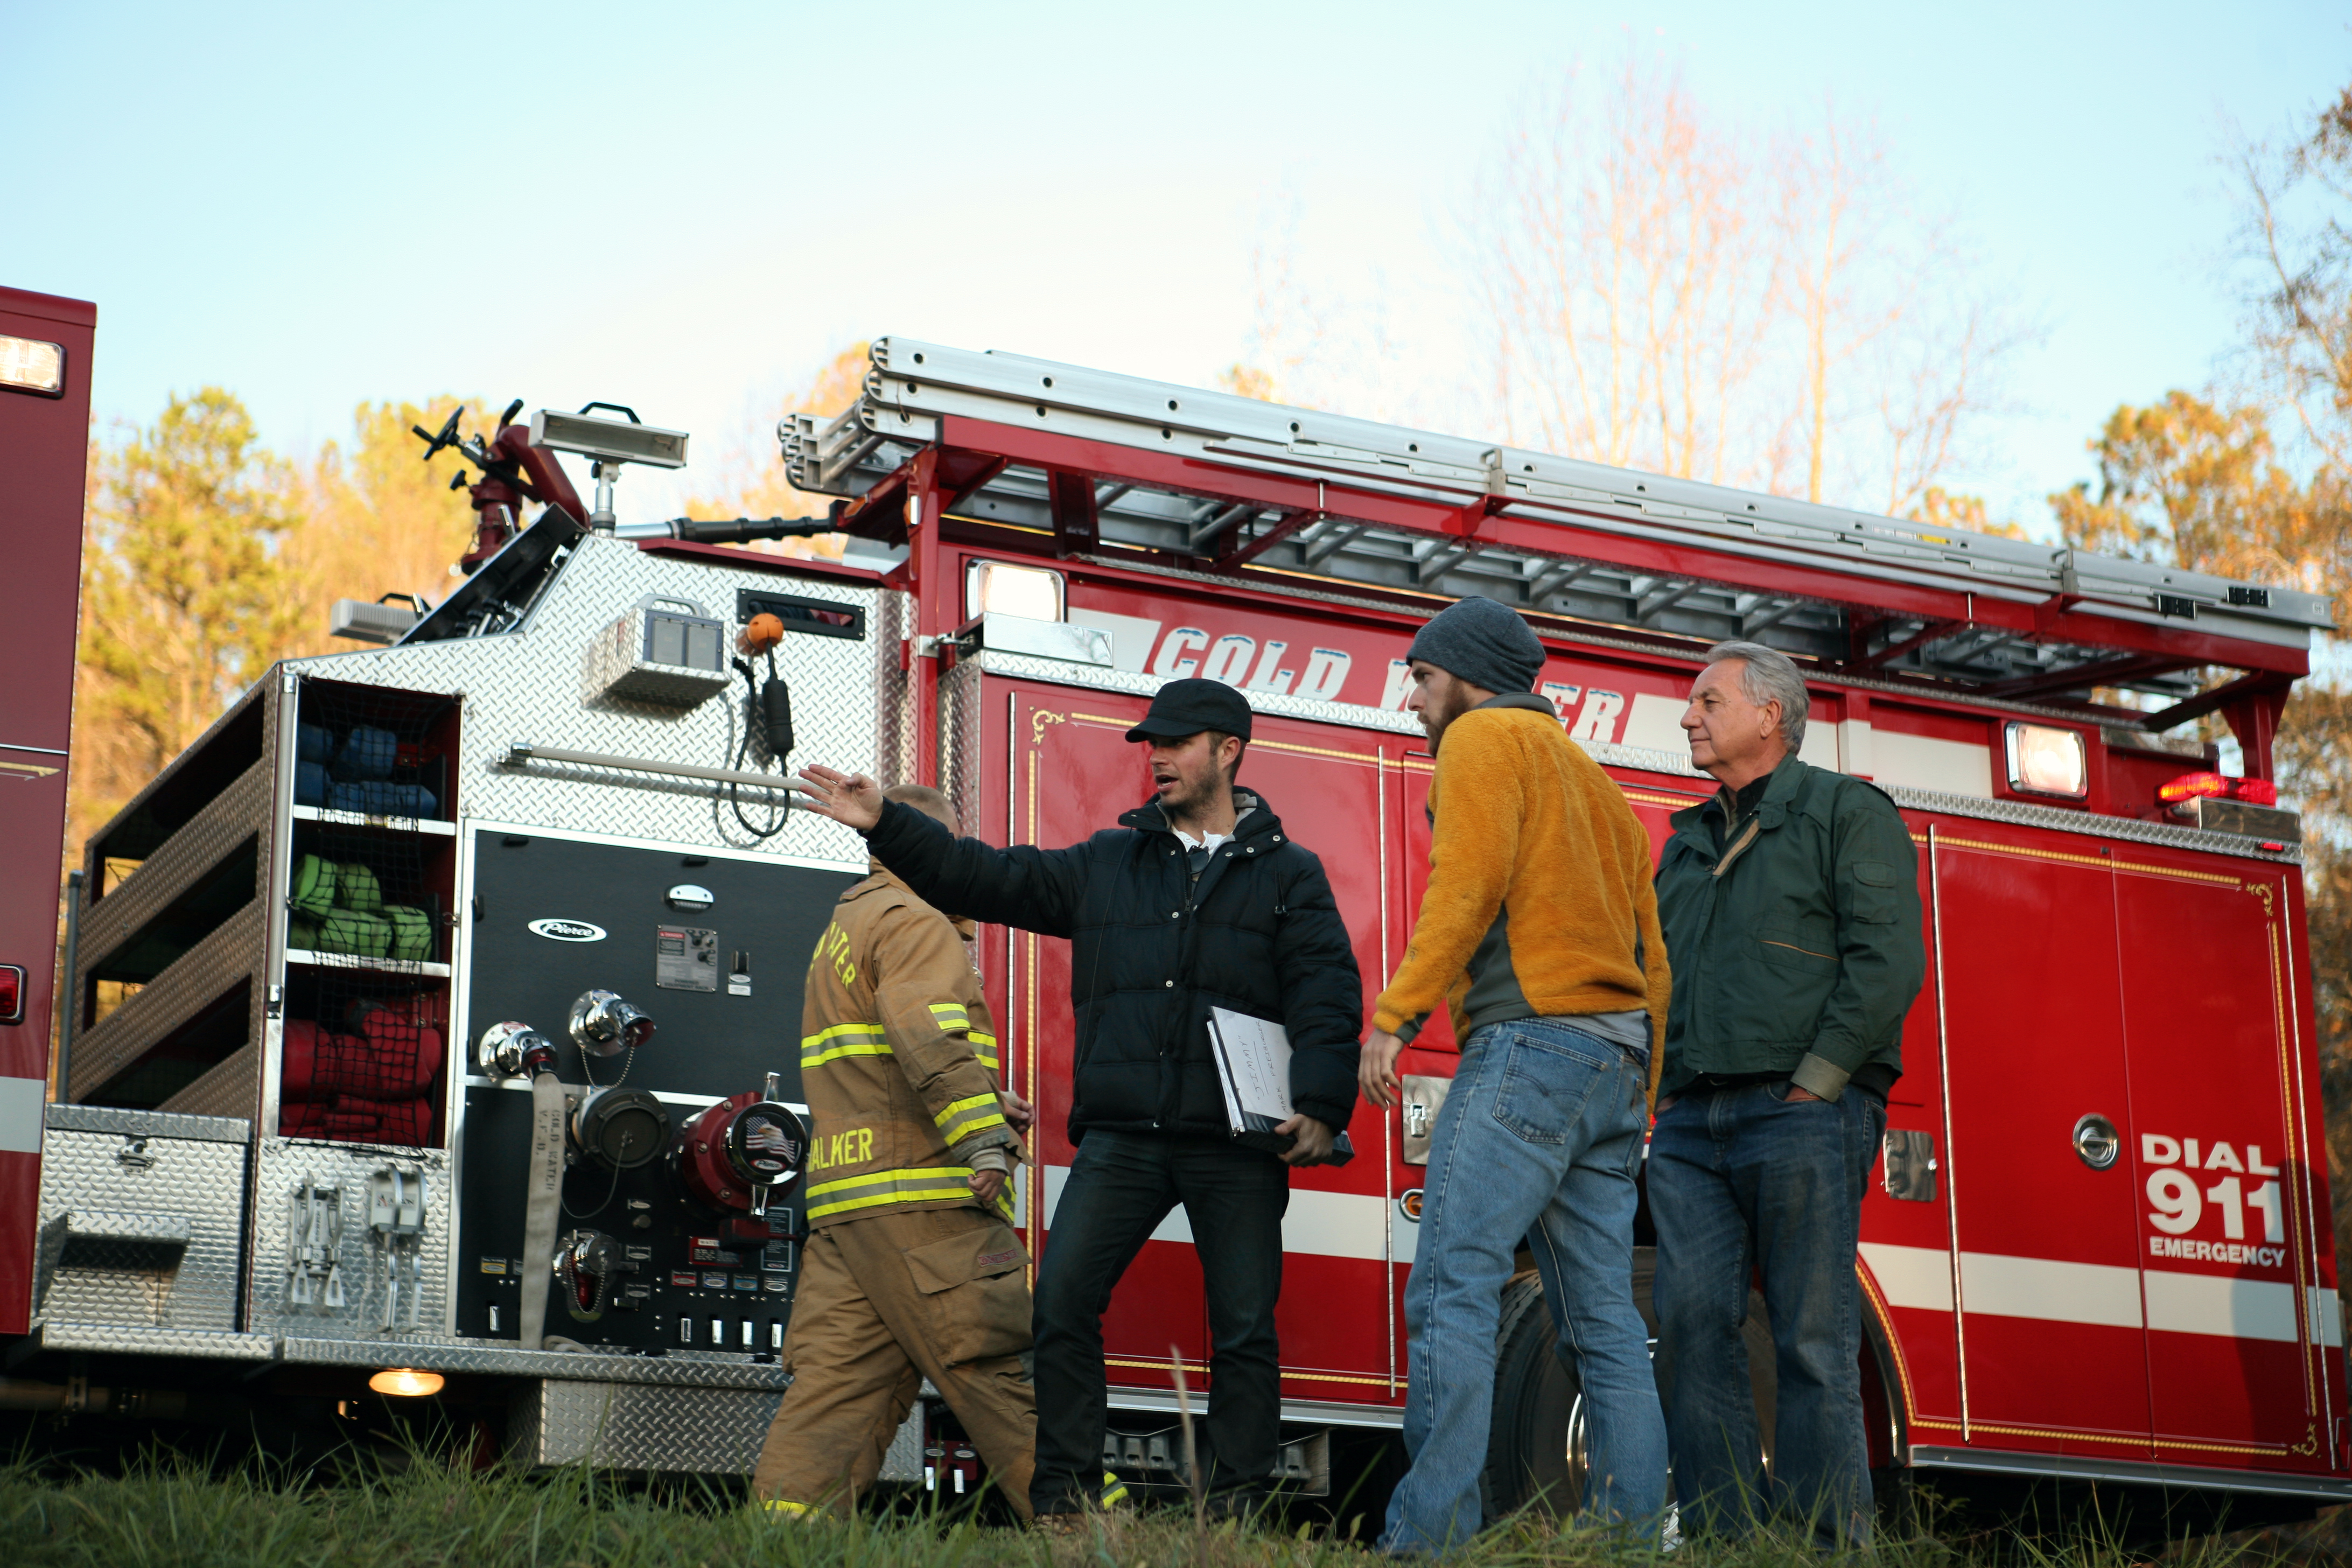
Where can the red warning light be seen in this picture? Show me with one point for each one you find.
(2218, 786)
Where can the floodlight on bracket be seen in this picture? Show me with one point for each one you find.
(607, 443)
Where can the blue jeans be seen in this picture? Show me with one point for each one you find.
(1744, 1180)
(1539, 1138)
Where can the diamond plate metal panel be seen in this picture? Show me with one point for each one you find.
(2022, 812)
(147, 1123)
(122, 1162)
(893, 622)
(235, 814)
(280, 1166)
(200, 977)
(522, 686)
(500, 1358)
(228, 1089)
(634, 1426)
(120, 1339)
(903, 1460)
(960, 727)
(234, 952)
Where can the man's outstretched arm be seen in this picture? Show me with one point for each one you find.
(1035, 889)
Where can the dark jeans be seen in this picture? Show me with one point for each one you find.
(1742, 1180)
(1120, 1187)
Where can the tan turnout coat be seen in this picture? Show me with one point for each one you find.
(897, 1074)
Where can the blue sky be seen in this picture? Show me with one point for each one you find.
(687, 209)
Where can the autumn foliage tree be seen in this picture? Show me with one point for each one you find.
(2298, 203)
(182, 601)
(751, 481)
(1665, 290)
(207, 557)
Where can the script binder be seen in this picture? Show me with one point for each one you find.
(1253, 1057)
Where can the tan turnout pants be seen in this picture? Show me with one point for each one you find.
(884, 1302)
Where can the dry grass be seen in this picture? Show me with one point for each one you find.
(165, 1512)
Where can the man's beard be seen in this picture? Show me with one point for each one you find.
(1189, 795)
(1436, 719)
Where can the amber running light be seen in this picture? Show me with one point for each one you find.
(405, 1382)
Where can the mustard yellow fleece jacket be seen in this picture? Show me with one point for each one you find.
(1539, 902)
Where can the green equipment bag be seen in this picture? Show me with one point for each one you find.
(356, 887)
(412, 933)
(314, 891)
(353, 932)
(302, 931)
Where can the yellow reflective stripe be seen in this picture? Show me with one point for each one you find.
(927, 1186)
(877, 1048)
(846, 1040)
(950, 1015)
(778, 1505)
(974, 1122)
(957, 1111)
(985, 1045)
(959, 1174)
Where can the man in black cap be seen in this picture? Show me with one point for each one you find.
(1198, 900)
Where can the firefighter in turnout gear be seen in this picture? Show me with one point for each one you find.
(913, 1269)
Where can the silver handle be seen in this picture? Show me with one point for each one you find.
(2096, 1143)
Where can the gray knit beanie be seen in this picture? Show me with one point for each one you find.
(1484, 643)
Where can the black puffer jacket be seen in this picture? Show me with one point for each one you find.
(1259, 934)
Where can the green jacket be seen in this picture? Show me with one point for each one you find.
(1796, 947)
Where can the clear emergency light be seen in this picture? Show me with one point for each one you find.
(992, 587)
(2048, 759)
(28, 364)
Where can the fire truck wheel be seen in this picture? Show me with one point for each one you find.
(1536, 1447)
(1536, 1444)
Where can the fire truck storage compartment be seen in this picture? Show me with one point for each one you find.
(713, 947)
(141, 1218)
(183, 959)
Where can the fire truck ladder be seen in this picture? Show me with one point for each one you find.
(1124, 470)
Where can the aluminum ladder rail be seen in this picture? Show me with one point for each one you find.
(1410, 512)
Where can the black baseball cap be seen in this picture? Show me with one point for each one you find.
(1185, 707)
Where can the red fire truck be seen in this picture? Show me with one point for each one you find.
(2099, 1247)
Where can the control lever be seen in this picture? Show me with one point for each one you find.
(396, 1199)
(585, 1264)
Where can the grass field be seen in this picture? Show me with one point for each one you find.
(168, 1511)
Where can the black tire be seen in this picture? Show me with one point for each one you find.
(1535, 1445)
(1536, 1451)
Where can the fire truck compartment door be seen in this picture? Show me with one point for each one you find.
(2049, 1318)
(1072, 772)
(2243, 1354)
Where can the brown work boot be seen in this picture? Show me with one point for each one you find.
(1061, 1526)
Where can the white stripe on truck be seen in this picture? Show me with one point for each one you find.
(23, 1101)
(1321, 1225)
(2048, 1290)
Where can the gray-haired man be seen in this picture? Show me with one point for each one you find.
(1791, 903)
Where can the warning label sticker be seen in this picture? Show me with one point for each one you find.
(685, 958)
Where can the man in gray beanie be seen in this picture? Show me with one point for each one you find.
(1484, 643)
(1538, 930)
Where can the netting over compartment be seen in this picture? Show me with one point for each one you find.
(369, 889)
